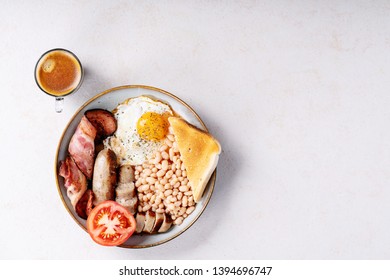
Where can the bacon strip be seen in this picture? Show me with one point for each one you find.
(82, 146)
(85, 205)
(75, 181)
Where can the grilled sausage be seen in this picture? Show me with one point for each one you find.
(125, 191)
(104, 176)
(103, 120)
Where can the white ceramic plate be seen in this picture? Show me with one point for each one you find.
(108, 100)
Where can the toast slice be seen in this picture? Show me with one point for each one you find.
(199, 152)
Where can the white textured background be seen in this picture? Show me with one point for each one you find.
(297, 92)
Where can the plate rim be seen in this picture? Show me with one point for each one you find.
(56, 162)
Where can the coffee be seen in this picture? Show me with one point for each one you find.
(58, 72)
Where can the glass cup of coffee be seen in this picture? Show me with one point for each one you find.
(59, 73)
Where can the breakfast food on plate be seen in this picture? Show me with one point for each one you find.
(125, 191)
(110, 224)
(142, 125)
(143, 160)
(103, 121)
(140, 220)
(104, 176)
(199, 153)
(74, 180)
(82, 146)
(85, 204)
(162, 183)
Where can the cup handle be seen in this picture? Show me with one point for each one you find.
(59, 104)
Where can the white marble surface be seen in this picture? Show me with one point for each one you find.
(297, 92)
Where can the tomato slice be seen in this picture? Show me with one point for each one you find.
(110, 224)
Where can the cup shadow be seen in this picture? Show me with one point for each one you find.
(92, 84)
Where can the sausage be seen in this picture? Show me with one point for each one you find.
(104, 176)
(103, 120)
(167, 223)
(150, 219)
(158, 222)
(140, 222)
(125, 191)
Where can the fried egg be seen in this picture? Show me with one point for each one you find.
(142, 125)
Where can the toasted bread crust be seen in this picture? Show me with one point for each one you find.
(199, 152)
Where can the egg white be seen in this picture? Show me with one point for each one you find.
(129, 147)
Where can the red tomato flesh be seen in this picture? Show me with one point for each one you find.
(110, 224)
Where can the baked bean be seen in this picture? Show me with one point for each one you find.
(171, 154)
(144, 188)
(163, 148)
(139, 208)
(157, 158)
(168, 142)
(147, 172)
(173, 181)
(167, 192)
(167, 186)
(189, 193)
(164, 165)
(177, 185)
(190, 210)
(177, 203)
(178, 221)
(183, 189)
(154, 169)
(184, 173)
(171, 137)
(137, 183)
(165, 155)
(169, 174)
(161, 172)
(185, 215)
(179, 195)
(160, 210)
(175, 192)
(184, 201)
(163, 181)
(182, 211)
(151, 180)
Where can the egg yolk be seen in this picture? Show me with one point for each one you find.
(152, 126)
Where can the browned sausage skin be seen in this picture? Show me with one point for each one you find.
(104, 176)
